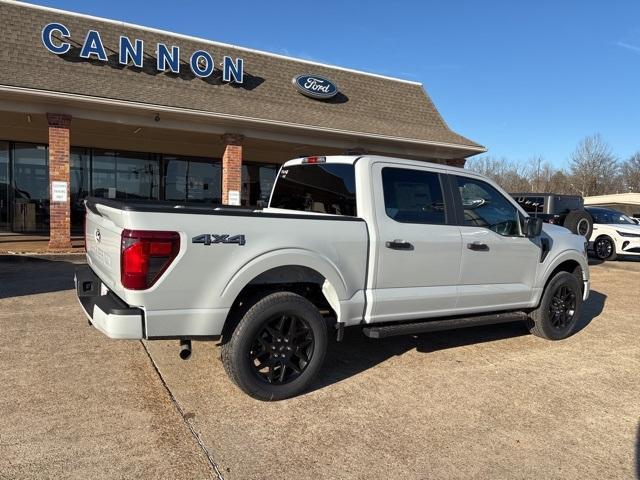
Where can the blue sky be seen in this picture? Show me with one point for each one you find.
(521, 77)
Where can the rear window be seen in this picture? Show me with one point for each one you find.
(322, 188)
(568, 203)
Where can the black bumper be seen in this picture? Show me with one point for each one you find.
(88, 290)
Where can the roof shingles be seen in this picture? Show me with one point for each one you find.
(367, 104)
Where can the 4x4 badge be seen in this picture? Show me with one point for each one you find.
(210, 238)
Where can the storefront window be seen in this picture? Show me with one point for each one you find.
(103, 174)
(257, 181)
(24, 182)
(80, 162)
(31, 188)
(192, 180)
(125, 175)
(4, 185)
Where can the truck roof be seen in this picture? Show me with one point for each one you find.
(351, 159)
(542, 194)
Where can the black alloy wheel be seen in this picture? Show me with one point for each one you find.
(604, 248)
(282, 349)
(562, 307)
(558, 313)
(275, 345)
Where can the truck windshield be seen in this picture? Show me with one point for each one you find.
(322, 188)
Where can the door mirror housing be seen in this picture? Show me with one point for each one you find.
(532, 227)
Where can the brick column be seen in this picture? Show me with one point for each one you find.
(457, 162)
(231, 165)
(59, 153)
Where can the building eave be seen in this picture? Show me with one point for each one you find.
(94, 100)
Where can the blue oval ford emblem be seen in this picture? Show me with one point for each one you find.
(315, 86)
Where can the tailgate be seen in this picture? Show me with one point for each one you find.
(102, 230)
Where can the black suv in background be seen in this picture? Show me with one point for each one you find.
(564, 210)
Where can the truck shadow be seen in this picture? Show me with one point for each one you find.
(357, 353)
(22, 275)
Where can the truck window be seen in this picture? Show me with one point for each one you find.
(413, 196)
(565, 204)
(485, 207)
(322, 188)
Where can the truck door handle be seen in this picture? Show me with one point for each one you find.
(478, 246)
(399, 245)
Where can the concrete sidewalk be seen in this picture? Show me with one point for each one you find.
(19, 243)
(75, 405)
(486, 402)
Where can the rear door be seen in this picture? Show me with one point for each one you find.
(418, 245)
(498, 263)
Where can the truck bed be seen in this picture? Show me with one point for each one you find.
(193, 295)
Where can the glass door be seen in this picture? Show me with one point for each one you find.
(31, 188)
(4, 186)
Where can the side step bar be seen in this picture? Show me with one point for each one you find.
(411, 328)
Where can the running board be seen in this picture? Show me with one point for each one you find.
(391, 330)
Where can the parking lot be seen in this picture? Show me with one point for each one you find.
(486, 402)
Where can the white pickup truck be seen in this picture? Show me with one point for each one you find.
(387, 245)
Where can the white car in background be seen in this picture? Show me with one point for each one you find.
(614, 233)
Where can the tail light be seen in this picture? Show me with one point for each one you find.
(145, 255)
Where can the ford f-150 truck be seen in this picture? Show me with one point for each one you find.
(387, 245)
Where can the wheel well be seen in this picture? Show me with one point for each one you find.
(603, 235)
(569, 266)
(301, 280)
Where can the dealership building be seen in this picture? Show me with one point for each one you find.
(96, 107)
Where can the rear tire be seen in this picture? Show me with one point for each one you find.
(277, 347)
(580, 223)
(604, 248)
(559, 310)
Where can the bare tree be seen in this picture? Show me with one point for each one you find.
(509, 175)
(631, 173)
(536, 174)
(593, 167)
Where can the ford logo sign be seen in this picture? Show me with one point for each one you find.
(315, 86)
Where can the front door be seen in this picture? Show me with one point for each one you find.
(417, 245)
(498, 263)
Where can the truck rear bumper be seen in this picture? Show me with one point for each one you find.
(107, 312)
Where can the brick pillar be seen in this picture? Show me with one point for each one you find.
(231, 165)
(456, 162)
(59, 152)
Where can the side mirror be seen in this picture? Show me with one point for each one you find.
(532, 227)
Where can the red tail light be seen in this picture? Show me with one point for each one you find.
(145, 255)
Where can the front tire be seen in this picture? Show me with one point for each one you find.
(559, 311)
(277, 347)
(604, 248)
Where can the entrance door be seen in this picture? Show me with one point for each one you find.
(31, 188)
(498, 263)
(4, 186)
(418, 245)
